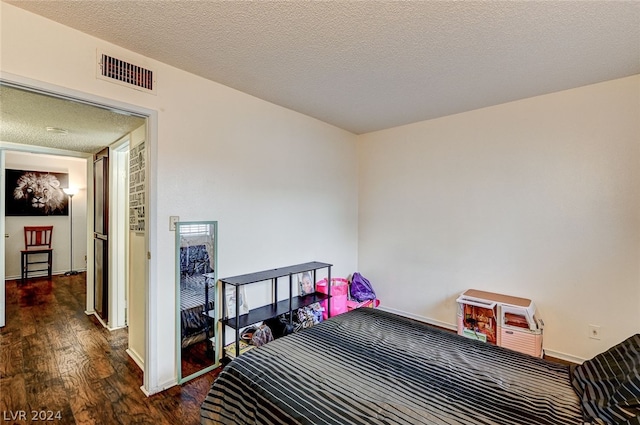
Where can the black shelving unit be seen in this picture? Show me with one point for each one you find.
(277, 307)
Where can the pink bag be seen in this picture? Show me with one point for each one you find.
(339, 292)
(351, 304)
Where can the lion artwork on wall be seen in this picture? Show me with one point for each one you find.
(36, 193)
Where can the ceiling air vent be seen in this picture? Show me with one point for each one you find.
(125, 73)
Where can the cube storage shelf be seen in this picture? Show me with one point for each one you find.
(272, 310)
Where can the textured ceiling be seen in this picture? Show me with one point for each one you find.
(370, 65)
(25, 116)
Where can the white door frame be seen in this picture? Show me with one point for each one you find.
(3, 299)
(150, 377)
(118, 232)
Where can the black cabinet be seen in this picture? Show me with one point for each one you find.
(276, 308)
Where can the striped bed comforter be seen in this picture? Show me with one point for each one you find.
(372, 367)
(192, 321)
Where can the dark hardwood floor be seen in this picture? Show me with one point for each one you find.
(56, 362)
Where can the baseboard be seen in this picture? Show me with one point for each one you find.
(97, 316)
(32, 276)
(136, 358)
(53, 273)
(145, 391)
(166, 385)
(564, 356)
(116, 328)
(419, 318)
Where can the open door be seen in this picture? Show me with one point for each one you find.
(2, 243)
(101, 233)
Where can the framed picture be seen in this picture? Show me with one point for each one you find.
(305, 283)
(36, 193)
(231, 301)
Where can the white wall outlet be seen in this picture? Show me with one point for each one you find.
(172, 222)
(594, 332)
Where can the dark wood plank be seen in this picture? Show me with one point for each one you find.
(54, 357)
(14, 395)
(11, 354)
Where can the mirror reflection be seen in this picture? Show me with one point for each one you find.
(196, 281)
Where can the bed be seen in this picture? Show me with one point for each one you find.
(372, 367)
(195, 262)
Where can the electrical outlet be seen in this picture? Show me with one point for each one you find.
(172, 222)
(594, 332)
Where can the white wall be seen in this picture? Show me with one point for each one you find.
(76, 168)
(538, 198)
(281, 185)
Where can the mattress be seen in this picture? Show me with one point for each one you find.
(373, 367)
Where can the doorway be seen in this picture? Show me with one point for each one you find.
(121, 207)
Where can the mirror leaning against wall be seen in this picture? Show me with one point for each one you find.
(196, 267)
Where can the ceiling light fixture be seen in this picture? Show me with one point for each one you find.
(57, 130)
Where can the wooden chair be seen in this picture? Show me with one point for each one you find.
(37, 240)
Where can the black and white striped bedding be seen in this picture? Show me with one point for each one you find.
(192, 300)
(609, 384)
(373, 367)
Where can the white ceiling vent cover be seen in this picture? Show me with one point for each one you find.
(125, 73)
